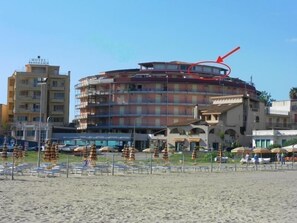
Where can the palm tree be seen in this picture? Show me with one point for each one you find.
(293, 93)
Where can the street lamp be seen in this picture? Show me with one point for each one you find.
(47, 128)
(41, 83)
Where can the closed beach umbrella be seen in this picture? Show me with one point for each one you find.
(4, 153)
(165, 155)
(57, 151)
(132, 154)
(47, 152)
(93, 155)
(127, 153)
(194, 154)
(85, 153)
(156, 153)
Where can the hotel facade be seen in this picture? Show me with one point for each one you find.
(37, 99)
(148, 99)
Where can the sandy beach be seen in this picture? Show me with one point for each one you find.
(257, 196)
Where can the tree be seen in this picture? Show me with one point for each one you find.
(266, 98)
(293, 93)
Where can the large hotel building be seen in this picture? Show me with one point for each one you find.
(148, 99)
(37, 97)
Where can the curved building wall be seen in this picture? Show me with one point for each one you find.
(148, 99)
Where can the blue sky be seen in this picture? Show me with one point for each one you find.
(87, 37)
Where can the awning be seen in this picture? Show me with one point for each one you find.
(179, 140)
(194, 139)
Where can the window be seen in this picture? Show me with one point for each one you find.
(24, 93)
(55, 119)
(257, 119)
(55, 83)
(22, 118)
(58, 107)
(19, 133)
(59, 95)
(184, 67)
(30, 133)
(35, 82)
(36, 107)
(24, 106)
(25, 81)
(36, 94)
(36, 119)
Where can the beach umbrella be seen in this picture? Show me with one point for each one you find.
(85, 153)
(132, 154)
(15, 154)
(165, 155)
(47, 152)
(93, 155)
(241, 150)
(156, 153)
(4, 153)
(194, 154)
(53, 156)
(124, 151)
(290, 149)
(21, 153)
(261, 150)
(278, 150)
(57, 151)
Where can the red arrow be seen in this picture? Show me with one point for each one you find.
(221, 59)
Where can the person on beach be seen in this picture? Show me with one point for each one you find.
(282, 157)
(278, 157)
(256, 158)
(86, 162)
(247, 158)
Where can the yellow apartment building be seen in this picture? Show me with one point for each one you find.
(37, 99)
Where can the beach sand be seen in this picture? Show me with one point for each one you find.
(256, 196)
